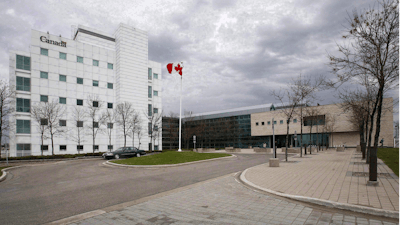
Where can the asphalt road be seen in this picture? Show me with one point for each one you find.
(45, 193)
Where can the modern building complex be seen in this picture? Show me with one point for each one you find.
(326, 125)
(110, 69)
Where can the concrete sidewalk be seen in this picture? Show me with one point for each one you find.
(336, 178)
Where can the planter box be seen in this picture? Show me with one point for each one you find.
(266, 150)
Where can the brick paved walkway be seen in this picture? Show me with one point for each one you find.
(329, 175)
(224, 201)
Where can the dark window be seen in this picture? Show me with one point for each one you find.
(23, 126)
(150, 128)
(23, 62)
(96, 124)
(95, 147)
(21, 147)
(262, 123)
(281, 122)
(63, 148)
(110, 147)
(63, 100)
(294, 120)
(95, 104)
(110, 125)
(45, 147)
(256, 123)
(109, 105)
(63, 123)
(23, 105)
(79, 123)
(44, 122)
(79, 102)
(23, 84)
(79, 80)
(269, 122)
(109, 85)
(155, 110)
(44, 98)
(149, 110)
(44, 51)
(79, 59)
(63, 55)
(149, 91)
(44, 75)
(110, 66)
(62, 78)
(95, 62)
(79, 147)
(150, 73)
(95, 83)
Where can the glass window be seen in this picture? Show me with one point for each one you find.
(109, 105)
(63, 55)
(149, 128)
(44, 98)
(155, 93)
(62, 78)
(96, 124)
(294, 120)
(256, 123)
(63, 100)
(23, 105)
(95, 83)
(79, 80)
(269, 122)
(63, 123)
(149, 111)
(110, 147)
(156, 147)
(95, 104)
(150, 73)
(44, 147)
(79, 123)
(44, 51)
(155, 76)
(44, 75)
(79, 59)
(63, 148)
(21, 147)
(79, 102)
(44, 122)
(23, 126)
(23, 84)
(274, 121)
(95, 62)
(109, 85)
(95, 147)
(110, 66)
(281, 122)
(110, 125)
(149, 91)
(79, 147)
(155, 110)
(262, 123)
(23, 62)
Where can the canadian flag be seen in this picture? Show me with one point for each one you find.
(175, 67)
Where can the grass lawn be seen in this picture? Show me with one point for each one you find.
(170, 158)
(391, 158)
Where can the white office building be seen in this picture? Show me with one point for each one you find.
(115, 68)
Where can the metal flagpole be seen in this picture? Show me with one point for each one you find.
(180, 119)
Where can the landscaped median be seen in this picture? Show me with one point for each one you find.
(170, 158)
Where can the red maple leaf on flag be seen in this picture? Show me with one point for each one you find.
(179, 69)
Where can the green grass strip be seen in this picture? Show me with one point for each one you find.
(170, 158)
(391, 158)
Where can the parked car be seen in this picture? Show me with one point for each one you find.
(124, 152)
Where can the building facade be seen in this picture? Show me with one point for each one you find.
(113, 68)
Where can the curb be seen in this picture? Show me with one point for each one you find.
(327, 203)
(4, 176)
(166, 165)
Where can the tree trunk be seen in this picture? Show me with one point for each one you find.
(362, 139)
(94, 141)
(301, 134)
(373, 165)
(371, 129)
(287, 138)
(52, 141)
(310, 138)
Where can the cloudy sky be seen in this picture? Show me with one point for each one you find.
(235, 52)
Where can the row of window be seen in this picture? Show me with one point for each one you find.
(155, 93)
(280, 122)
(151, 74)
(79, 59)
(79, 80)
(25, 147)
(24, 126)
(24, 105)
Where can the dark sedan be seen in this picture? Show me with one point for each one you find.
(124, 152)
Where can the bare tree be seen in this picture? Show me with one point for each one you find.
(133, 125)
(7, 108)
(139, 133)
(38, 113)
(374, 51)
(305, 89)
(109, 118)
(97, 119)
(154, 128)
(124, 112)
(54, 112)
(79, 115)
(292, 101)
(170, 129)
(311, 119)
